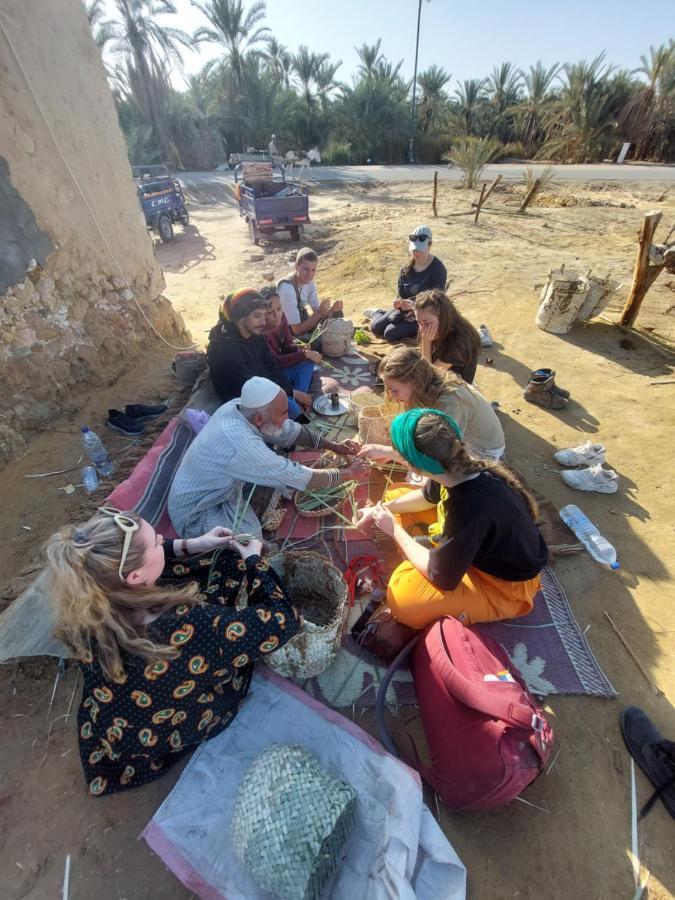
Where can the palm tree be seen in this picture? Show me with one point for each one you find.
(432, 82)
(647, 118)
(100, 26)
(503, 86)
(470, 96)
(146, 48)
(236, 29)
(326, 82)
(369, 56)
(580, 125)
(307, 66)
(532, 110)
(277, 59)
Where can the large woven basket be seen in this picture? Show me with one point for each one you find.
(315, 587)
(290, 823)
(374, 422)
(336, 339)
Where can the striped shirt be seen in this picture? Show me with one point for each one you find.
(226, 454)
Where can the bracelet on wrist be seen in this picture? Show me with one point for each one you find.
(184, 547)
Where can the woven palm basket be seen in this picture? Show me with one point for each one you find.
(290, 823)
(374, 422)
(318, 590)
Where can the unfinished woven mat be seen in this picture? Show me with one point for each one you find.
(291, 821)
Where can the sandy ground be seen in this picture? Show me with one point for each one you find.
(579, 846)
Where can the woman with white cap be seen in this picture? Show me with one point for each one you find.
(423, 272)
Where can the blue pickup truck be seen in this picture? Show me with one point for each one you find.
(268, 203)
(161, 199)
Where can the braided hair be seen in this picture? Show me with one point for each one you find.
(435, 437)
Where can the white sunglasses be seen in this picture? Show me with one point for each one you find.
(128, 526)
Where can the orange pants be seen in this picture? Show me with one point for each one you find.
(478, 597)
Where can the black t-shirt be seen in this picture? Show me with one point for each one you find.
(487, 525)
(412, 283)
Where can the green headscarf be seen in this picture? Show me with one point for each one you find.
(403, 438)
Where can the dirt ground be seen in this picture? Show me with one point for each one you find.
(578, 843)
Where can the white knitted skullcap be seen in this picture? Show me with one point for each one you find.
(258, 392)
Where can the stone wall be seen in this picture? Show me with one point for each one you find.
(67, 316)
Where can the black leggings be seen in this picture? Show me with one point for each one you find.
(393, 326)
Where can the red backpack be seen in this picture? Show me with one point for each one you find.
(487, 738)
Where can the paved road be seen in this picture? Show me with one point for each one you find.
(202, 181)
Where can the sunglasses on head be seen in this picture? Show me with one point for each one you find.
(127, 525)
(419, 238)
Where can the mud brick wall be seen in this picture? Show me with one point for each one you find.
(67, 317)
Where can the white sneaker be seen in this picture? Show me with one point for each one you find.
(584, 455)
(370, 312)
(595, 478)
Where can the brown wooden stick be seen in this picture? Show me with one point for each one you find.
(642, 278)
(480, 203)
(632, 654)
(492, 187)
(433, 202)
(529, 197)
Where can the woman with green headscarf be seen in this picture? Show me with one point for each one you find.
(486, 551)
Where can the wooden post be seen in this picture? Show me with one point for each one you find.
(642, 277)
(480, 203)
(433, 202)
(530, 195)
(492, 187)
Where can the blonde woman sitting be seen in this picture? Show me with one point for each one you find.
(412, 381)
(165, 656)
(487, 550)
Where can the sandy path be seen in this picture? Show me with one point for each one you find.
(579, 848)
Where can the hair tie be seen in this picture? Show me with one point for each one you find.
(80, 536)
(402, 432)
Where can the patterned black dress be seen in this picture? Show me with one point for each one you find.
(131, 732)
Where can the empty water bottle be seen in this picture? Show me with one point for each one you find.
(89, 478)
(599, 547)
(485, 336)
(96, 452)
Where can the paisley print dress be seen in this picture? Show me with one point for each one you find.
(130, 732)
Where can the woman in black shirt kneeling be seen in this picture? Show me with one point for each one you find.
(487, 550)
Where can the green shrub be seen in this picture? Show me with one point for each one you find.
(429, 148)
(471, 155)
(337, 153)
(514, 150)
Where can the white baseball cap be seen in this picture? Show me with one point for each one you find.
(420, 238)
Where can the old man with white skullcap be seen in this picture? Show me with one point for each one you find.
(233, 449)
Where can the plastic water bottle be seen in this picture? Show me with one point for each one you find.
(599, 547)
(96, 452)
(485, 336)
(89, 478)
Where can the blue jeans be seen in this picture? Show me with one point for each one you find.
(300, 377)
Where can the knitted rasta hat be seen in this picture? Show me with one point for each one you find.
(242, 303)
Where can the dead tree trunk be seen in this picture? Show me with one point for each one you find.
(644, 275)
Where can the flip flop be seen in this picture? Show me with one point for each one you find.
(653, 753)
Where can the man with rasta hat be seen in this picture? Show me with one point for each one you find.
(238, 350)
(232, 451)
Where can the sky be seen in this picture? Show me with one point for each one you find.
(464, 37)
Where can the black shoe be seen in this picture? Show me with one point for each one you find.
(140, 412)
(119, 421)
(302, 419)
(653, 753)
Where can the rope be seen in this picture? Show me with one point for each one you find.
(81, 193)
